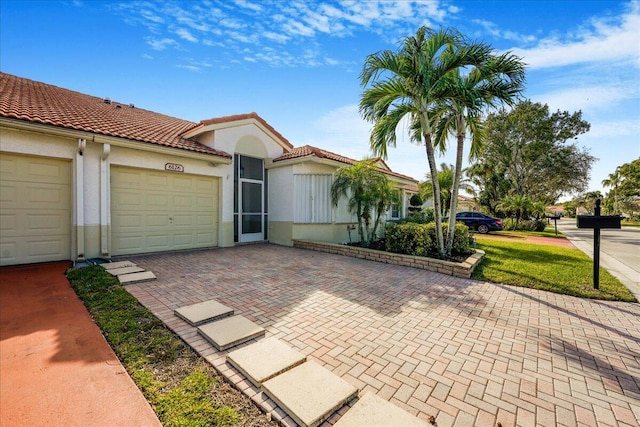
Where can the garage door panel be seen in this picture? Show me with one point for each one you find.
(35, 210)
(174, 211)
(157, 200)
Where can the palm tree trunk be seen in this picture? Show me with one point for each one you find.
(454, 196)
(437, 209)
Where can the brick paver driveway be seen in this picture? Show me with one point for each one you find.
(467, 352)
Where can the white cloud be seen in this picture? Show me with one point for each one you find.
(586, 98)
(229, 25)
(161, 44)
(602, 40)
(186, 35)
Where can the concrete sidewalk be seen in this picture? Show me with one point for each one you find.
(583, 240)
(56, 368)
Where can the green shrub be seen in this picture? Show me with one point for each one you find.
(409, 239)
(422, 216)
(524, 225)
(420, 239)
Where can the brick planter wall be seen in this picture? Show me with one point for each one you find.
(457, 269)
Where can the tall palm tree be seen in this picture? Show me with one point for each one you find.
(613, 180)
(497, 80)
(408, 83)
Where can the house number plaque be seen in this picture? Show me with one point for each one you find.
(174, 167)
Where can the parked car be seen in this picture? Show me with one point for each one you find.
(480, 222)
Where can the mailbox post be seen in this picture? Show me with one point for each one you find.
(597, 222)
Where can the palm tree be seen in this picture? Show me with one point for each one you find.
(408, 83)
(517, 205)
(445, 182)
(613, 180)
(496, 81)
(369, 192)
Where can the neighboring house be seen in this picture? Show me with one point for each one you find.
(86, 177)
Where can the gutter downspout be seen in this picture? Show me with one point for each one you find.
(78, 173)
(105, 207)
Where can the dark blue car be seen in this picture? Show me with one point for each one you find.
(480, 222)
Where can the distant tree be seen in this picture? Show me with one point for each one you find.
(589, 200)
(613, 181)
(629, 187)
(531, 149)
(446, 179)
(516, 205)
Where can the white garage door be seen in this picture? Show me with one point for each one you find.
(35, 209)
(154, 211)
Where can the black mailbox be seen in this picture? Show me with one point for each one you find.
(599, 221)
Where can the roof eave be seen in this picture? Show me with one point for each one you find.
(112, 140)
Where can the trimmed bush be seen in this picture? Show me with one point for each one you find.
(409, 239)
(420, 239)
(524, 225)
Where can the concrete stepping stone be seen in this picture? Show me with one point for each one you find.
(373, 411)
(309, 393)
(119, 264)
(125, 270)
(129, 279)
(265, 359)
(203, 312)
(230, 331)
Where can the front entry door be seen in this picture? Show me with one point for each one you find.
(251, 210)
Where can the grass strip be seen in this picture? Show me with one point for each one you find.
(550, 268)
(182, 388)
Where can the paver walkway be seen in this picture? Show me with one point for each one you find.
(56, 368)
(467, 352)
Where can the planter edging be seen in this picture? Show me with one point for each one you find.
(456, 269)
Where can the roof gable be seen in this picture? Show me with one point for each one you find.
(308, 151)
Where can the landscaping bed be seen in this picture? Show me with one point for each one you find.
(457, 269)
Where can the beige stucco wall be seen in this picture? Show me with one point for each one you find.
(87, 236)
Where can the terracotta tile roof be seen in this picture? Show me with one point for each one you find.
(32, 101)
(237, 117)
(308, 151)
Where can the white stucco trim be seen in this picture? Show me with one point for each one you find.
(78, 219)
(105, 197)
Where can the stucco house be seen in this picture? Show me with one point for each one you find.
(87, 177)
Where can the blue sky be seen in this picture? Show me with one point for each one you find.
(296, 63)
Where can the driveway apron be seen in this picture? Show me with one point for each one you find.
(467, 352)
(56, 369)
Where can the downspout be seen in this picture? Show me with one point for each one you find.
(105, 208)
(79, 199)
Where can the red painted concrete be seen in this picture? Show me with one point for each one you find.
(56, 368)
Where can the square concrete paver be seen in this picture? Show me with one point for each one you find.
(265, 359)
(125, 270)
(128, 279)
(230, 331)
(373, 411)
(119, 264)
(309, 393)
(203, 312)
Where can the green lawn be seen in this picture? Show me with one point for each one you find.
(550, 268)
(182, 388)
(548, 232)
(628, 223)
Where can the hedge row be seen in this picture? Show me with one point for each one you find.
(420, 239)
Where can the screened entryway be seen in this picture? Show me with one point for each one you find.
(250, 199)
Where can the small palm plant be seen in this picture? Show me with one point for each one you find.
(370, 194)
